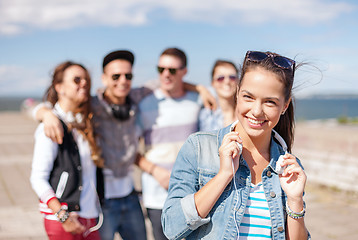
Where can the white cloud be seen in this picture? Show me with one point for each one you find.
(17, 16)
(259, 11)
(331, 78)
(342, 75)
(16, 80)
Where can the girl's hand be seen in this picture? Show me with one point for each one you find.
(229, 153)
(72, 224)
(293, 179)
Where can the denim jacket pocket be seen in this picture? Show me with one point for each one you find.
(204, 177)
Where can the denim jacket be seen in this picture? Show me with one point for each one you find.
(198, 162)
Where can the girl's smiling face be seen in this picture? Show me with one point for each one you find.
(260, 102)
(75, 86)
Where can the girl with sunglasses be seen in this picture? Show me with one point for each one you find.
(224, 80)
(64, 175)
(229, 183)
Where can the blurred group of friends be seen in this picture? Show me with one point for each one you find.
(204, 151)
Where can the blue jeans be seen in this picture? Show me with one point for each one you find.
(125, 216)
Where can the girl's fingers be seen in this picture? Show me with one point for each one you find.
(292, 165)
(230, 144)
(235, 149)
(291, 169)
(229, 151)
(232, 136)
(289, 160)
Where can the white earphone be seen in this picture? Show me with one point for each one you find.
(278, 168)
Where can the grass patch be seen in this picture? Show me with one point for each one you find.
(347, 120)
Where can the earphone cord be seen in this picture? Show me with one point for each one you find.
(237, 227)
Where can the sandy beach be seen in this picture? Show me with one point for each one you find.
(327, 150)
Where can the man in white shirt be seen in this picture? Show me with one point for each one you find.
(166, 117)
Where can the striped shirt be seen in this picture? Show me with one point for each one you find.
(256, 222)
(165, 124)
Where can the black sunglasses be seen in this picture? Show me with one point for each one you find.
(172, 71)
(77, 80)
(222, 78)
(116, 76)
(279, 61)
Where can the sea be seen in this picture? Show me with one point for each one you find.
(309, 108)
(326, 107)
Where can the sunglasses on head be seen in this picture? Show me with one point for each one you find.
(172, 71)
(279, 61)
(116, 76)
(221, 78)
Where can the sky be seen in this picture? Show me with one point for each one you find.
(36, 35)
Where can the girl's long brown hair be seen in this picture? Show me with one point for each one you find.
(86, 127)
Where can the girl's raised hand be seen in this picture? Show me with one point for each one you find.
(293, 179)
(229, 152)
